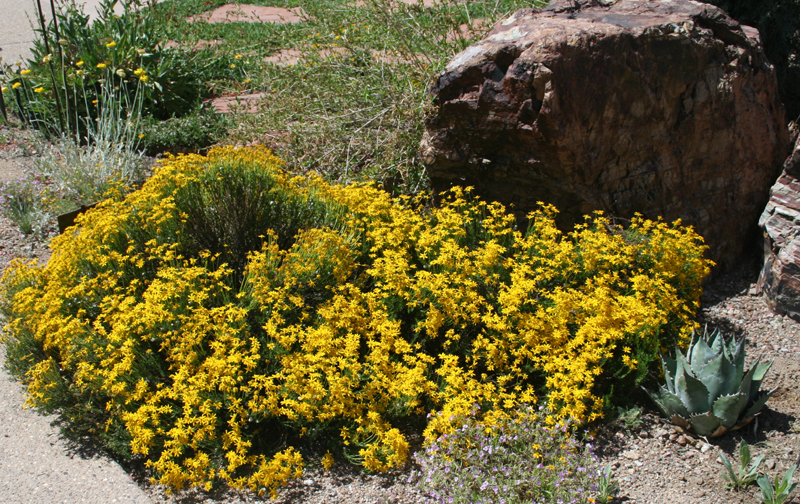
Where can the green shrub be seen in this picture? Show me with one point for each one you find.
(76, 60)
(214, 331)
(191, 133)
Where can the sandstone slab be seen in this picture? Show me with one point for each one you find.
(663, 107)
(231, 13)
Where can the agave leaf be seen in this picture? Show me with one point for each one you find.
(700, 354)
(758, 404)
(728, 407)
(717, 341)
(681, 367)
(673, 404)
(747, 380)
(705, 424)
(760, 371)
(692, 393)
(738, 360)
(668, 365)
(718, 375)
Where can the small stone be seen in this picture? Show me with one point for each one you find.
(705, 447)
(631, 454)
(770, 464)
(673, 437)
(631, 471)
(644, 434)
(682, 440)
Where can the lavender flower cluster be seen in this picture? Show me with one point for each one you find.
(522, 460)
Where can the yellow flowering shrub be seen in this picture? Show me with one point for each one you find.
(215, 319)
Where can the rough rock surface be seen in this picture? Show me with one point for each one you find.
(780, 276)
(663, 107)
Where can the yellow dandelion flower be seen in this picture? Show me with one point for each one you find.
(79, 63)
(233, 65)
(246, 81)
(5, 88)
(238, 56)
(143, 78)
(111, 44)
(16, 85)
(38, 89)
(101, 65)
(138, 72)
(26, 71)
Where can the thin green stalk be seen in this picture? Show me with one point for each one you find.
(63, 66)
(50, 65)
(3, 108)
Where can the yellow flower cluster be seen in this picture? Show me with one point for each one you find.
(390, 309)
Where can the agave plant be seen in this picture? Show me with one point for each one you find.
(708, 391)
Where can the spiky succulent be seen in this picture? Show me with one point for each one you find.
(708, 391)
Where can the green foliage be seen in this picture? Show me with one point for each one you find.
(776, 492)
(778, 21)
(746, 473)
(75, 61)
(193, 132)
(21, 201)
(607, 486)
(631, 417)
(708, 391)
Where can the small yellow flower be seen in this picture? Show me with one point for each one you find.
(47, 58)
(101, 65)
(238, 56)
(79, 63)
(111, 44)
(26, 71)
(16, 85)
(141, 135)
(38, 89)
(246, 81)
(5, 88)
(94, 102)
(143, 78)
(138, 72)
(233, 65)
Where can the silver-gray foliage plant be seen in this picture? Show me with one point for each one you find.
(708, 392)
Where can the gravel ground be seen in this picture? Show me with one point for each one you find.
(655, 462)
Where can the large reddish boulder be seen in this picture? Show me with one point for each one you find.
(780, 276)
(663, 107)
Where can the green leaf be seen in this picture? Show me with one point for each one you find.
(767, 489)
(758, 404)
(669, 364)
(692, 393)
(728, 408)
(738, 360)
(700, 353)
(747, 381)
(718, 376)
(760, 371)
(705, 424)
